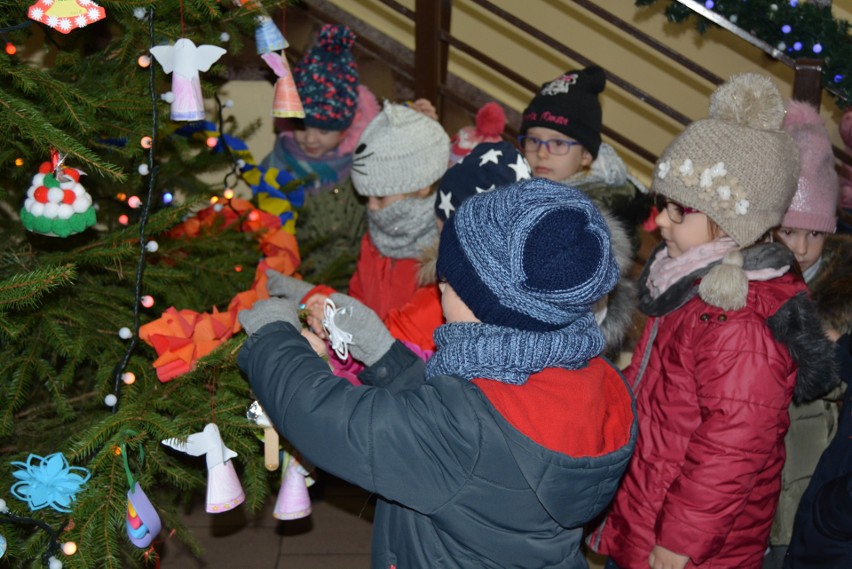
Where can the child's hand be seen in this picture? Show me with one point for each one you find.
(832, 334)
(316, 343)
(662, 558)
(315, 308)
(425, 107)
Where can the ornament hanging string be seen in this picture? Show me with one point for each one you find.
(143, 220)
(182, 28)
(131, 480)
(53, 545)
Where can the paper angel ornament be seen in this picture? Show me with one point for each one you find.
(66, 15)
(224, 491)
(184, 60)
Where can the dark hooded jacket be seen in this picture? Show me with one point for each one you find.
(822, 532)
(712, 390)
(461, 477)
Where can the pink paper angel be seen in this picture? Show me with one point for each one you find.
(184, 60)
(224, 491)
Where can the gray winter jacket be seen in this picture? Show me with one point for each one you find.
(458, 484)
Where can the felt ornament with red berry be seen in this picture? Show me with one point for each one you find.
(57, 204)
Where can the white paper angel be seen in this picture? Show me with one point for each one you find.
(184, 60)
(224, 491)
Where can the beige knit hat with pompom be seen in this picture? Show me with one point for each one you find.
(737, 166)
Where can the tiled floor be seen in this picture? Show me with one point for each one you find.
(335, 536)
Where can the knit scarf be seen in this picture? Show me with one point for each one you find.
(475, 350)
(330, 169)
(665, 271)
(404, 228)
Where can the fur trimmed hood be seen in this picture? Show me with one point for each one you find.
(831, 289)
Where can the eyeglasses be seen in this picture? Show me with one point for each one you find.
(555, 146)
(675, 211)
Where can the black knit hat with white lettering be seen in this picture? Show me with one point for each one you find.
(569, 104)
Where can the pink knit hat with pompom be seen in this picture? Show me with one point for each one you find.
(814, 207)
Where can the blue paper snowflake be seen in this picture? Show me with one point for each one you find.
(48, 481)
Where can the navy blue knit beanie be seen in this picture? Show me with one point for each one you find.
(488, 166)
(534, 256)
(327, 80)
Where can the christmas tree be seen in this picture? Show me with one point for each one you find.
(94, 252)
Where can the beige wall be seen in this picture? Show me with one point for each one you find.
(717, 50)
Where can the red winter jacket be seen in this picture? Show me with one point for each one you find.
(417, 320)
(380, 282)
(712, 390)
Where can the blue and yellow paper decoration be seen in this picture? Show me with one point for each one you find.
(268, 37)
(277, 191)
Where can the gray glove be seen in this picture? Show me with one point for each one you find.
(370, 339)
(267, 311)
(281, 285)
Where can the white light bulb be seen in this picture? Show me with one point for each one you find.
(124, 333)
(110, 400)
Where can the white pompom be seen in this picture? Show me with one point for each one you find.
(51, 210)
(65, 211)
(55, 195)
(37, 209)
(31, 192)
(28, 204)
(82, 203)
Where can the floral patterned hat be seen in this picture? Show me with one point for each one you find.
(737, 166)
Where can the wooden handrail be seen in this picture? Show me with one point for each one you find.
(806, 87)
(433, 40)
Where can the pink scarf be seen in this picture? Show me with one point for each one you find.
(665, 270)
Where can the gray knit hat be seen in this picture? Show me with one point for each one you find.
(401, 151)
(737, 166)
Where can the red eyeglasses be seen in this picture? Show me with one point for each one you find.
(675, 211)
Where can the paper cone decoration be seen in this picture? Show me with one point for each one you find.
(268, 37)
(224, 491)
(143, 523)
(293, 500)
(286, 103)
(66, 15)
